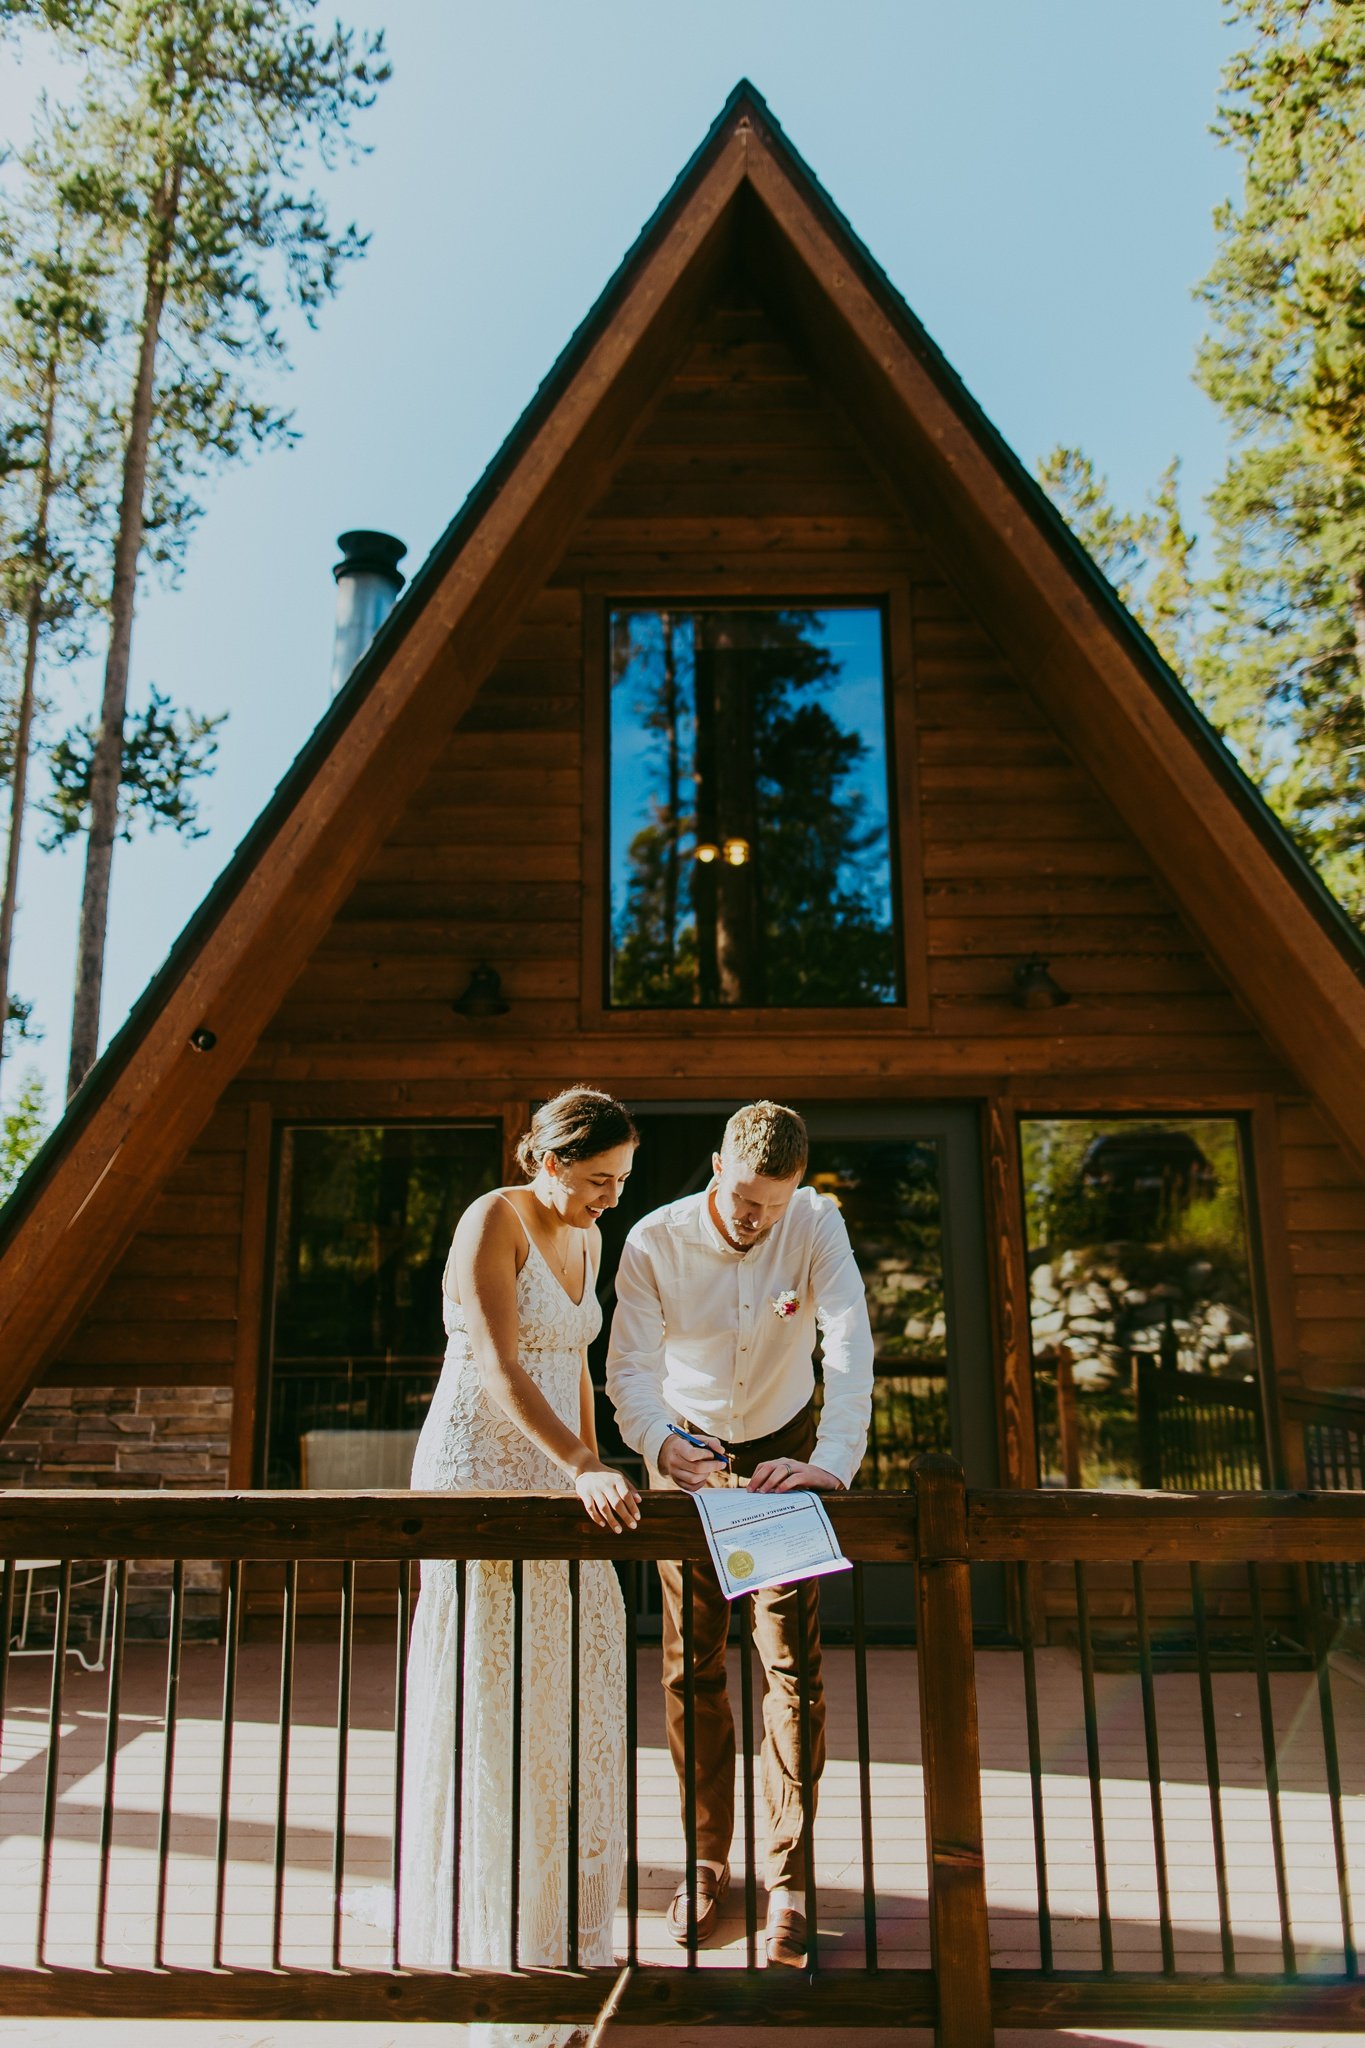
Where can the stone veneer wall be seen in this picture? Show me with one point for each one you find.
(119, 1436)
(122, 1436)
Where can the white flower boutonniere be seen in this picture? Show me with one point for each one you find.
(785, 1304)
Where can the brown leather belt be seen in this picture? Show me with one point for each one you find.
(754, 1446)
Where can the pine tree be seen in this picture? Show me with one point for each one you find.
(195, 132)
(1148, 556)
(55, 468)
(165, 752)
(22, 1130)
(1283, 669)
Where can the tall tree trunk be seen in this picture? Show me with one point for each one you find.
(107, 768)
(704, 878)
(672, 798)
(738, 950)
(1358, 630)
(23, 738)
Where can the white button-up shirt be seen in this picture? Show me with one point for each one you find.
(697, 1337)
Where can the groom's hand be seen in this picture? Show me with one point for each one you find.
(787, 1475)
(687, 1465)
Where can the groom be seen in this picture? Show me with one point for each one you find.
(719, 1298)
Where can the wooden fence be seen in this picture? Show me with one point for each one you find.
(942, 1531)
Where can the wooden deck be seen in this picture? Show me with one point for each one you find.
(897, 1808)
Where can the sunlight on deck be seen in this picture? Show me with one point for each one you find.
(897, 1806)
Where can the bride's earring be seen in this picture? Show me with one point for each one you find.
(552, 1187)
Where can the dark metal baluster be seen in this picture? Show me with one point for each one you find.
(1092, 1754)
(345, 1650)
(689, 1761)
(111, 1720)
(806, 1594)
(1220, 1854)
(632, 1600)
(1154, 1794)
(6, 1632)
(400, 1741)
(1322, 1647)
(291, 1586)
(746, 1706)
(457, 1787)
(1270, 1752)
(163, 1832)
(61, 1630)
(232, 1631)
(864, 1767)
(515, 1846)
(1035, 1767)
(575, 1680)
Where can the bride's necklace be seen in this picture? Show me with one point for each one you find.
(561, 1263)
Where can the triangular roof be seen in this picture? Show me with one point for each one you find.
(1223, 855)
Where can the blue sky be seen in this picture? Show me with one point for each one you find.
(1036, 176)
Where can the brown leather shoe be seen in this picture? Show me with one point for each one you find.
(710, 1891)
(784, 1937)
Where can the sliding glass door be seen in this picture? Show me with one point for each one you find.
(907, 1178)
(364, 1215)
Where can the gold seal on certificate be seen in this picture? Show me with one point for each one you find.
(740, 1564)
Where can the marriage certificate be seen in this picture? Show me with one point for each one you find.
(767, 1539)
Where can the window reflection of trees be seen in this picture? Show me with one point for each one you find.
(365, 1214)
(736, 735)
(890, 1197)
(1140, 1271)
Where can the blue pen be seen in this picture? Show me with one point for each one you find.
(700, 1443)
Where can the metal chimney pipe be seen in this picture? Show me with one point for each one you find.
(368, 581)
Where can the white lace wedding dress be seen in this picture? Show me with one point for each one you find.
(468, 1445)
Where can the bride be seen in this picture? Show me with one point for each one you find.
(513, 1412)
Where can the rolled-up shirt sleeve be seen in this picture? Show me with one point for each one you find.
(846, 1351)
(635, 1356)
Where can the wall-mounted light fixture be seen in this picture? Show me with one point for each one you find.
(707, 851)
(736, 852)
(483, 997)
(1034, 988)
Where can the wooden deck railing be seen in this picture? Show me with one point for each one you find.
(939, 1529)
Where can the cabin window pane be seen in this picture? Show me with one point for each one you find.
(750, 830)
(364, 1218)
(891, 1194)
(1146, 1370)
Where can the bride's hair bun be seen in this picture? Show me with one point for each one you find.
(578, 1123)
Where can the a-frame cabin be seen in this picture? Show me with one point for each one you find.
(229, 1244)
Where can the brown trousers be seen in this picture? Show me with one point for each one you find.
(778, 1616)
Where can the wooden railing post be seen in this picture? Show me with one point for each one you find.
(1068, 1418)
(951, 1753)
(1147, 1395)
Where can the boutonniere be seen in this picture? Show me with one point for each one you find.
(785, 1304)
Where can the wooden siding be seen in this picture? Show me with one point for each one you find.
(744, 479)
(169, 1311)
(1325, 1212)
(710, 461)
(485, 865)
(1021, 855)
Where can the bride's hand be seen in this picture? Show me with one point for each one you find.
(607, 1494)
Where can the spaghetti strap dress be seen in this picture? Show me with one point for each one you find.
(469, 1445)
